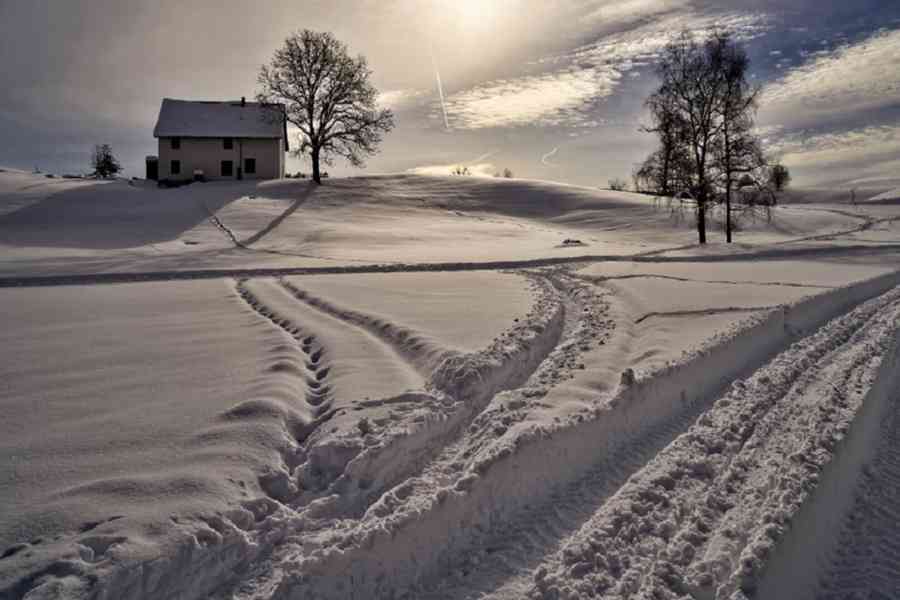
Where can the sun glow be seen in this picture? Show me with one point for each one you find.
(476, 14)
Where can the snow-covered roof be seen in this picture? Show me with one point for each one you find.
(201, 118)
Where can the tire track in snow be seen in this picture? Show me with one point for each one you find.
(459, 524)
(502, 567)
(602, 279)
(866, 563)
(248, 273)
(468, 382)
(703, 312)
(704, 515)
(412, 346)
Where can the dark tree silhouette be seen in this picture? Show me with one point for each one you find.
(664, 170)
(702, 114)
(327, 96)
(779, 177)
(104, 163)
(738, 150)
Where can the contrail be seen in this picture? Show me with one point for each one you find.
(545, 159)
(437, 75)
(485, 156)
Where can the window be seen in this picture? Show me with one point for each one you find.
(176, 143)
(227, 168)
(228, 143)
(175, 167)
(250, 166)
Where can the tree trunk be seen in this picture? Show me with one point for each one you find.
(728, 211)
(701, 221)
(316, 175)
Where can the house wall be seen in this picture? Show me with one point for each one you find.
(207, 154)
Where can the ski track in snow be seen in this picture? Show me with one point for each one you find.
(477, 529)
(496, 554)
(249, 273)
(695, 280)
(704, 515)
(866, 563)
(703, 311)
(464, 383)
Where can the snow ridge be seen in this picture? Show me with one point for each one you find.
(705, 515)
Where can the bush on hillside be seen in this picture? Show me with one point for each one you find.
(104, 163)
(618, 185)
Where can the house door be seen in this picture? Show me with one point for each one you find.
(227, 168)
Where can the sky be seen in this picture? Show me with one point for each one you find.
(551, 90)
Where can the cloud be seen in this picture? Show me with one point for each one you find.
(545, 100)
(842, 156)
(573, 84)
(859, 77)
(400, 97)
(852, 146)
(618, 11)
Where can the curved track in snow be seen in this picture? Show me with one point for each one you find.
(849, 250)
(481, 522)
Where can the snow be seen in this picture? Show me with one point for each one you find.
(197, 118)
(408, 386)
(115, 419)
(76, 227)
(462, 311)
(888, 196)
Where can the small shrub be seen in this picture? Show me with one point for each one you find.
(507, 173)
(460, 170)
(618, 185)
(105, 164)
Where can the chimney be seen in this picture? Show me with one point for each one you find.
(243, 101)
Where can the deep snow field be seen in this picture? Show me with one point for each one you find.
(411, 387)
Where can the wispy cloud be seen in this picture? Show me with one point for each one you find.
(857, 77)
(856, 145)
(553, 99)
(618, 11)
(842, 156)
(400, 97)
(572, 85)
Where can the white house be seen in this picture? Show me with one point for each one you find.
(221, 140)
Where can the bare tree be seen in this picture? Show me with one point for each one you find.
(327, 96)
(662, 167)
(738, 150)
(703, 116)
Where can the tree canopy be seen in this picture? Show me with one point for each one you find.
(327, 95)
(703, 115)
(104, 163)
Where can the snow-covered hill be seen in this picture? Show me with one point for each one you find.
(409, 386)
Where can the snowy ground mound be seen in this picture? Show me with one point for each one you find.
(409, 387)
